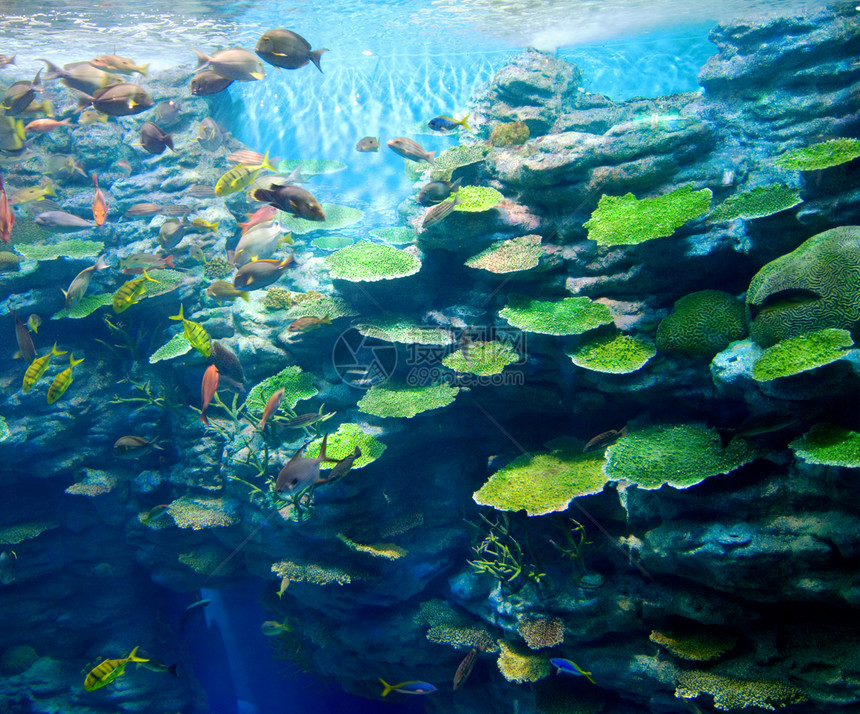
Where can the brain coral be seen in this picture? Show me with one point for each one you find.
(702, 324)
(827, 265)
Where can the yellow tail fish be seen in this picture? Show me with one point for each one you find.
(240, 177)
(104, 673)
(62, 380)
(196, 334)
(38, 366)
(129, 292)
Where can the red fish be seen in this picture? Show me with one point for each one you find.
(100, 205)
(208, 389)
(271, 407)
(264, 213)
(7, 215)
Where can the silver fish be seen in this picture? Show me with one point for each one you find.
(78, 286)
(261, 241)
(439, 212)
(300, 472)
(234, 63)
(62, 222)
(409, 149)
(8, 563)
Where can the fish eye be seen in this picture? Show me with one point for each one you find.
(294, 482)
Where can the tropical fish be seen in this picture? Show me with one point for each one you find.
(81, 76)
(209, 82)
(11, 134)
(565, 665)
(32, 193)
(104, 673)
(99, 204)
(123, 65)
(285, 583)
(204, 224)
(342, 467)
(764, 423)
(4, 60)
(199, 190)
(26, 349)
(445, 123)
(228, 364)
(271, 407)
(465, 668)
(63, 167)
(246, 156)
(7, 215)
(261, 215)
(46, 107)
(193, 608)
(62, 222)
(43, 126)
(439, 212)
(62, 381)
(368, 143)
(301, 472)
(261, 241)
(154, 140)
(784, 300)
(133, 447)
(157, 666)
(605, 439)
(8, 564)
(409, 149)
(292, 199)
(38, 367)
(155, 513)
(128, 293)
(260, 273)
(167, 112)
(240, 177)
(437, 191)
(284, 48)
(411, 687)
(142, 209)
(196, 334)
(234, 63)
(118, 100)
(33, 323)
(270, 628)
(172, 232)
(138, 262)
(223, 290)
(209, 135)
(207, 390)
(91, 116)
(20, 94)
(301, 421)
(306, 324)
(78, 286)
(125, 166)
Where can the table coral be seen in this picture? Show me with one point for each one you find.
(336, 218)
(321, 306)
(386, 400)
(696, 642)
(168, 280)
(332, 242)
(297, 385)
(802, 353)
(482, 358)
(86, 306)
(198, 513)
(732, 693)
(568, 316)
(541, 632)
(298, 572)
(368, 262)
(615, 354)
(475, 199)
(626, 220)
(519, 667)
(342, 443)
(829, 445)
(403, 330)
(702, 324)
(73, 248)
(757, 203)
(13, 535)
(510, 256)
(176, 346)
(462, 637)
(455, 157)
(95, 483)
(396, 235)
(388, 551)
(819, 156)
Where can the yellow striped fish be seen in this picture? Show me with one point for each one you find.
(240, 177)
(62, 380)
(104, 673)
(196, 334)
(128, 293)
(38, 366)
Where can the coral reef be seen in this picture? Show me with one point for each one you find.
(757, 203)
(802, 353)
(730, 693)
(541, 632)
(512, 133)
(366, 262)
(510, 256)
(336, 218)
(829, 445)
(474, 199)
(702, 324)
(390, 400)
(199, 513)
(819, 156)
(482, 358)
(614, 354)
(342, 443)
(568, 316)
(297, 385)
(176, 346)
(518, 667)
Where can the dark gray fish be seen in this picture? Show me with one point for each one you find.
(26, 349)
(439, 212)
(81, 76)
(409, 149)
(784, 300)
(167, 112)
(227, 363)
(118, 100)
(343, 466)
(209, 82)
(20, 94)
(368, 143)
(8, 564)
(209, 135)
(292, 199)
(234, 63)
(285, 49)
(300, 472)
(260, 273)
(605, 439)
(62, 222)
(154, 139)
(437, 191)
(172, 231)
(133, 447)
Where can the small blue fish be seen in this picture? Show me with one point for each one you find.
(413, 687)
(445, 123)
(565, 665)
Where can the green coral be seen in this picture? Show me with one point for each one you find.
(332, 242)
(731, 693)
(396, 235)
(702, 324)
(387, 551)
(332, 307)
(829, 445)
(395, 329)
(514, 133)
(95, 483)
(544, 483)
(801, 354)
(475, 199)
(310, 167)
(297, 385)
(209, 561)
(87, 305)
(168, 280)
(217, 269)
(761, 201)
(201, 512)
(277, 299)
(385, 400)
(5, 433)
(336, 218)
(74, 248)
(820, 156)
(828, 265)
(175, 347)
(626, 220)
(694, 641)
(366, 261)
(615, 354)
(509, 256)
(520, 667)
(25, 531)
(569, 316)
(455, 157)
(680, 456)
(313, 573)
(462, 637)
(482, 358)
(541, 632)
(342, 443)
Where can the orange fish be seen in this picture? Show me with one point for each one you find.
(100, 205)
(7, 215)
(271, 407)
(208, 389)
(264, 213)
(42, 126)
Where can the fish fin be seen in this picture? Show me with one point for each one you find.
(53, 70)
(172, 669)
(314, 56)
(19, 131)
(388, 687)
(463, 123)
(202, 60)
(144, 71)
(430, 156)
(322, 455)
(132, 657)
(152, 280)
(180, 316)
(266, 165)
(326, 320)
(169, 261)
(454, 187)
(244, 296)
(73, 361)
(204, 419)
(17, 355)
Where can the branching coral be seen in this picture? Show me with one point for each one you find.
(369, 262)
(829, 445)
(176, 346)
(696, 642)
(541, 632)
(702, 324)
(387, 400)
(757, 203)
(500, 554)
(614, 354)
(198, 513)
(820, 156)
(801, 354)
(482, 358)
(731, 693)
(520, 667)
(313, 573)
(569, 316)
(297, 385)
(510, 256)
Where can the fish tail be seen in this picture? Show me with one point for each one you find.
(56, 352)
(244, 296)
(430, 156)
(132, 656)
(152, 280)
(326, 320)
(202, 59)
(261, 194)
(96, 180)
(50, 190)
(587, 675)
(73, 361)
(19, 130)
(388, 687)
(322, 449)
(204, 419)
(315, 55)
(180, 316)
(169, 261)
(144, 71)
(168, 142)
(266, 165)
(53, 70)
(463, 123)
(101, 263)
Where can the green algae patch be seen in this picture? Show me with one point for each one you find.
(176, 346)
(475, 199)
(74, 248)
(385, 400)
(332, 242)
(310, 167)
(680, 456)
(626, 220)
(569, 316)
(336, 218)
(509, 256)
(297, 385)
(404, 331)
(86, 306)
(801, 354)
(395, 235)
(614, 354)
(758, 203)
(325, 306)
(482, 358)
(701, 324)
(544, 483)
(341, 444)
(829, 445)
(730, 693)
(369, 262)
(819, 156)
